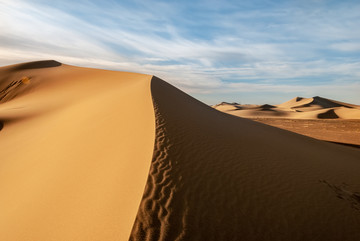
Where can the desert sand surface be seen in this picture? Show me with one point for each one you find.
(340, 131)
(317, 117)
(89, 156)
(75, 150)
(218, 177)
(296, 108)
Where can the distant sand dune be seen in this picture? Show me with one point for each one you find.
(299, 115)
(296, 108)
(328, 114)
(347, 113)
(320, 102)
(91, 154)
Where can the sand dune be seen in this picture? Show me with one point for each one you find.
(75, 150)
(296, 108)
(315, 102)
(306, 116)
(219, 177)
(79, 147)
(347, 113)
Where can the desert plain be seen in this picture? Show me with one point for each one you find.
(90, 154)
(317, 117)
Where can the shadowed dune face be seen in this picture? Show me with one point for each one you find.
(219, 177)
(36, 65)
(315, 101)
(74, 152)
(267, 107)
(326, 103)
(329, 114)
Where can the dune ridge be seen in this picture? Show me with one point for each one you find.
(75, 149)
(218, 177)
(92, 154)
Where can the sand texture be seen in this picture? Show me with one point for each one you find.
(91, 154)
(218, 177)
(75, 150)
(339, 131)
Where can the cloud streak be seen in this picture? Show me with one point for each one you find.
(199, 47)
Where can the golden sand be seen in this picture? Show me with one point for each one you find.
(91, 154)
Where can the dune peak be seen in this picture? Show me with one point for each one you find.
(267, 106)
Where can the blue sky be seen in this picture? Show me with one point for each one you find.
(259, 51)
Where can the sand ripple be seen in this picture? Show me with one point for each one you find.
(218, 177)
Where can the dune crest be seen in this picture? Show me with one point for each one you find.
(219, 177)
(91, 154)
(75, 150)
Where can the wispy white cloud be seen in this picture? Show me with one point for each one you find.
(347, 47)
(199, 48)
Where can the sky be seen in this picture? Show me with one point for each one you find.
(253, 51)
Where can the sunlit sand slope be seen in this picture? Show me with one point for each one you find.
(75, 150)
(218, 177)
